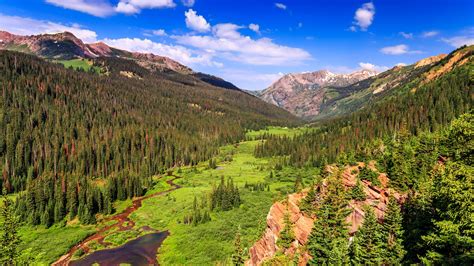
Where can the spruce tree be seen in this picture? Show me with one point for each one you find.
(9, 239)
(392, 234)
(238, 257)
(357, 192)
(328, 241)
(287, 235)
(368, 243)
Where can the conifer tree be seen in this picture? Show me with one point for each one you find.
(328, 241)
(368, 243)
(287, 235)
(9, 239)
(392, 234)
(357, 192)
(238, 257)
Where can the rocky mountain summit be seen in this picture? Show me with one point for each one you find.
(302, 94)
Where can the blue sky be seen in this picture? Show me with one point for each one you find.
(252, 43)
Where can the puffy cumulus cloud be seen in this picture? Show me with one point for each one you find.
(98, 8)
(159, 32)
(130, 7)
(227, 42)
(406, 35)
(459, 41)
(364, 16)
(188, 3)
(196, 22)
(176, 52)
(29, 26)
(428, 34)
(372, 67)
(398, 50)
(226, 31)
(280, 6)
(255, 27)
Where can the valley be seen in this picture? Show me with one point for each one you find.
(110, 156)
(187, 243)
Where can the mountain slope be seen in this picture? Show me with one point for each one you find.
(427, 99)
(302, 94)
(66, 46)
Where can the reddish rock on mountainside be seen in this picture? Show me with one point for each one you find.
(67, 46)
(303, 93)
(266, 247)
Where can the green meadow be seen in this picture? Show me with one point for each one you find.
(78, 64)
(191, 244)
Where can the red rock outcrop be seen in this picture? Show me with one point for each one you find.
(266, 247)
(377, 197)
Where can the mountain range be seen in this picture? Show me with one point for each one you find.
(65, 46)
(322, 94)
(303, 93)
(311, 96)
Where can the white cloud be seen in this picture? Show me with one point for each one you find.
(364, 16)
(255, 27)
(250, 80)
(372, 67)
(401, 64)
(188, 3)
(196, 22)
(29, 26)
(398, 50)
(126, 8)
(406, 35)
(98, 8)
(428, 34)
(226, 31)
(176, 52)
(459, 41)
(159, 32)
(280, 6)
(135, 6)
(300, 24)
(229, 44)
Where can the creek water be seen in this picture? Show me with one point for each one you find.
(139, 251)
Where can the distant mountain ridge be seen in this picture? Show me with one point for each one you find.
(303, 93)
(322, 94)
(66, 46)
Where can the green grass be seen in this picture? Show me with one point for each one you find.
(192, 245)
(52, 242)
(279, 131)
(213, 241)
(77, 64)
(18, 48)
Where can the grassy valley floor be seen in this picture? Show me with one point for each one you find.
(188, 244)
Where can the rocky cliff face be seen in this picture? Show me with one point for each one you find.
(302, 94)
(266, 247)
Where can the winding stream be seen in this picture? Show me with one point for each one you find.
(142, 249)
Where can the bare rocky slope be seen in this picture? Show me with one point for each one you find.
(302, 94)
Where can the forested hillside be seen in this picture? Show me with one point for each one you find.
(418, 140)
(73, 142)
(424, 105)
